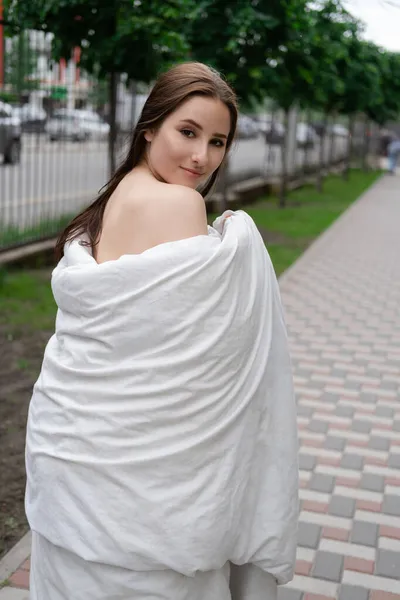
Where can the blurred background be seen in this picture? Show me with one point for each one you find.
(317, 93)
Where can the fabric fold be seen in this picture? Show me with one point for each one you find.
(162, 429)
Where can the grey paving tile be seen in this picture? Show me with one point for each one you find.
(328, 565)
(305, 411)
(391, 506)
(384, 411)
(288, 594)
(352, 461)
(364, 533)
(379, 443)
(308, 535)
(368, 398)
(388, 564)
(353, 592)
(374, 483)
(394, 462)
(396, 425)
(388, 385)
(334, 443)
(344, 411)
(328, 397)
(306, 462)
(322, 483)
(318, 426)
(352, 385)
(361, 426)
(342, 507)
(339, 373)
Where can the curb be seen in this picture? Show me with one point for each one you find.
(15, 557)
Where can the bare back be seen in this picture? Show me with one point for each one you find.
(143, 213)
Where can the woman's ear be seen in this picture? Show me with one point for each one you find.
(149, 135)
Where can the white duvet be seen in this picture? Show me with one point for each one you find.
(162, 428)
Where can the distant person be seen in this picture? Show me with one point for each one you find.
(393, 155)
(161, 442)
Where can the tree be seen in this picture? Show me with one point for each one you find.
(137, 37)
(243, 40)
(20, 65)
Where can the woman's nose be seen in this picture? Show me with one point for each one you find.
(200, 154)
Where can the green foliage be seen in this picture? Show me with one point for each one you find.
(291, 51)
(21, 64)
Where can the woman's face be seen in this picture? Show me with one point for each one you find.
(191, 143)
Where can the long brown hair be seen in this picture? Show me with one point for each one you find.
(170, 90)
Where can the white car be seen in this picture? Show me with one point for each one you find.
(305, 135)
(76, 125)
(339, 130)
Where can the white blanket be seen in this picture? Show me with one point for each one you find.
(162, 429)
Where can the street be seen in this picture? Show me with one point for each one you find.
(54, 179)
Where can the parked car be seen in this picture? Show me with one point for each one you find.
(305, 135)
(338, 130)
(10, 134)
(33, 118)
(246, 127)
(274, 132)
(76, 125)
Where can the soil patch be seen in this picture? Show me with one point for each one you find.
(21, 349)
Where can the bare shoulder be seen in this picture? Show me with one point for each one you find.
(152, 214)
(183, 210)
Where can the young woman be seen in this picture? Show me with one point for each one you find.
(161, 442)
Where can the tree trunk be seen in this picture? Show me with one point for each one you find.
(320, 175)
(284, 157)
(365, 152)
(306, 147)
(112, 137)
(346, 171)
(331, 159)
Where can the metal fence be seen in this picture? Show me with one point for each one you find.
(54, 127)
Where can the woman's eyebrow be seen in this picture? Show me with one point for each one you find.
(221, 135)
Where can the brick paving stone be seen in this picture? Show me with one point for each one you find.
(352, 461)
(379, 443)
(322, 483)
(328, 565)
(364, 533)
(335, 533)
(353, 592)
(361, 426)
(384, 411)
(303, 567)
(344, 411)
(388, 564)
(374, 483)
(341, 506)
(20, 579)
(351, 563)
(391, 505)
(288, 594)
(304, 411)
(334, 443)
(317, 597)
(378, 595)
(390, 532)
(308, 535)
(307, 462)
(318, 426)
(394, 461)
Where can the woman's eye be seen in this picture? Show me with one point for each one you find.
(187, 132)
(218, 143)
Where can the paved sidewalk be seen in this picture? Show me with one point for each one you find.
(342, 301)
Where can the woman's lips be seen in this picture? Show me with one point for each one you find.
(192, 173)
